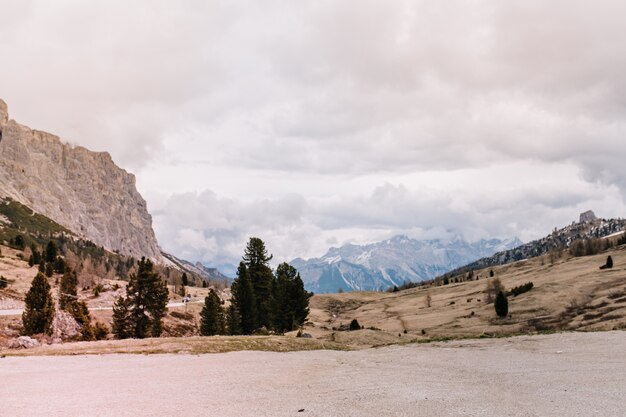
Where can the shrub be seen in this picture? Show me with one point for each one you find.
(354, 325)
(101, 331)
(521, 289)
(501, 305)
(3, 282)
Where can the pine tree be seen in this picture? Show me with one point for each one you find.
(51, 252)
(291, 300)
(39, 309)
(67, 289)
(609, 262)
(80, 312)
(212, 315)
(121, 319)
(257, 262)
(233, 320)
(140, 314)
(184, 279)
(244, 300)
(49, 269)
(42, 267)
(299, 300)
(501, 305)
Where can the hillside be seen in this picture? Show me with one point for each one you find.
(571, 294)
(391, 262)
(589, 227)
(83, 191)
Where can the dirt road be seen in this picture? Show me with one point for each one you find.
(574, 374)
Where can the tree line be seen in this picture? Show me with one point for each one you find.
(262, 300)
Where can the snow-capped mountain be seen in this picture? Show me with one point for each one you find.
(392, 262)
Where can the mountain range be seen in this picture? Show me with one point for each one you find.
(392, 262)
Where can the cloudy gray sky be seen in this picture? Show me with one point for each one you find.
(315, 123)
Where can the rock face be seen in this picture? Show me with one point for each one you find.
(587, 217)
(82, 190)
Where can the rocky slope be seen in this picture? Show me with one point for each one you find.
(391, 262)
(82, 190)
(589, 227)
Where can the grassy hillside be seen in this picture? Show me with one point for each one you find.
(571, 294)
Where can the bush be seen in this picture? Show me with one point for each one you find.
(3, 282)
(354, 325)
(521, 289)
(501, 305)
(101, 331)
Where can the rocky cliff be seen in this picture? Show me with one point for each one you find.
(82, 190)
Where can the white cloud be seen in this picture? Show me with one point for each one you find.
(319, 122)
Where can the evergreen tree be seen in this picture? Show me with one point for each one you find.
(257, 262)
(181, 291)
(291, 300)
(609, 262)
(140, 314)
(212, 315)
(39, 307)
(36, 254)
(501, 305)
(59, 265)
(299, 300)
(42, 267)
(233, 320)
(184, 279)
(19, 242)
(49, 269)
(80, 312)
(51, 252)
(121, 319)
(244, 300)
(67, 289)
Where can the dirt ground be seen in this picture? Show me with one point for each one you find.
(568, 374)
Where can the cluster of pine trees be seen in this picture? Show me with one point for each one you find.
(260, 298)
(140, 313)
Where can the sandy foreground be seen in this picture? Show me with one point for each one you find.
(570, 374)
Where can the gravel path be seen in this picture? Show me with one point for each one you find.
(574, 374)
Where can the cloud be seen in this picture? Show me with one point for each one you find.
(331, 121)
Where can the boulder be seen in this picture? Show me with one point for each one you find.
(23, 342)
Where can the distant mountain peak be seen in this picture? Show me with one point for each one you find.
(391, 262)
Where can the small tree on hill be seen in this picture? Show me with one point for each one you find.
(212, 315)
(354, 325)
(184, 279)
(51, 252)
(501, 305)
(609, 262)
(67, 288)
(39, 307)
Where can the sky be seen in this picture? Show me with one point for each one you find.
(313, 124)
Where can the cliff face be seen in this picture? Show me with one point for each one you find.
(82, 190)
